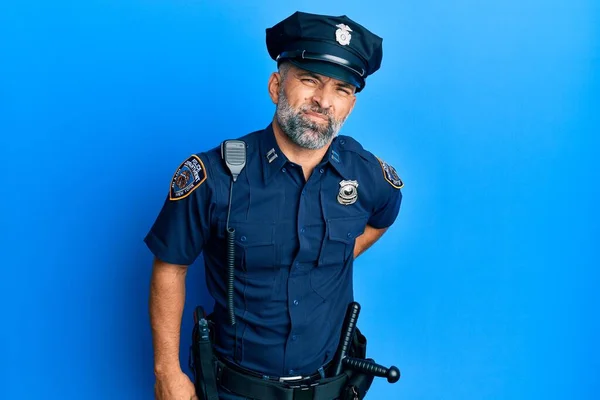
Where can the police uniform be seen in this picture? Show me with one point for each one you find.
(294, 237)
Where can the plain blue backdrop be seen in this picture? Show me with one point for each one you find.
(485, 288)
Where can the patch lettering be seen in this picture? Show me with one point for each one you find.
(188, 177)
(391, 175)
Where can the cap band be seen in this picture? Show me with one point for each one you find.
(307, 55)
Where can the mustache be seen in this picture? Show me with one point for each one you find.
(319, 110)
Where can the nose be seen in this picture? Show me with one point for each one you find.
(323, 97)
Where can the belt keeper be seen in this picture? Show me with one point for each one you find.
(321, 372)
(304, 393)
(218, 371)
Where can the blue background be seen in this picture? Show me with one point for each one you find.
(485, 288)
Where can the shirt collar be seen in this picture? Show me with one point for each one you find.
(337, 158)
(273, 158)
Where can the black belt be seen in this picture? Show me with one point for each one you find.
(251, 385)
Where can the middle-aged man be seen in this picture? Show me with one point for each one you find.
(306, 204)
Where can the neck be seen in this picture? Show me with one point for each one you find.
(306, 158)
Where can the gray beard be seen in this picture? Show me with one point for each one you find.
(301, 130)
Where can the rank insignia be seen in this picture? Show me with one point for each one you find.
(348, 192)
(189, 176)
(391, 175)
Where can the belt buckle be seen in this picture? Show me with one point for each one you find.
(289, 379)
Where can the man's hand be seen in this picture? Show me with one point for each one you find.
(177, 386)
(366, 240)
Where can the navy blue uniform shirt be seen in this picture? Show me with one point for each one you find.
(294, 245)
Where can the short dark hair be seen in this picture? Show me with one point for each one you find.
(284, 68)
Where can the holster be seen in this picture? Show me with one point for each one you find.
(358, 383)
(202, 359)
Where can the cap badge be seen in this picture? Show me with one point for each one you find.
(348, 192)
(342, 35)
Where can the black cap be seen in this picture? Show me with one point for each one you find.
(333, 46)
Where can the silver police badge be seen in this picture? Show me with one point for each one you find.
(342, 35)
(348, 192)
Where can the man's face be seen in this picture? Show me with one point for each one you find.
(311, 108)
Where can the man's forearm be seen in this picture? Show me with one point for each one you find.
(167, 298)
(366, 240)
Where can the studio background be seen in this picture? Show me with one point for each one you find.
(486, 286)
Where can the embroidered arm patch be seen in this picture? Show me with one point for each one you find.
(188, 177)
(391, 175)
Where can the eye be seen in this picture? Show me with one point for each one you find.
(309, 81)
(344, 91)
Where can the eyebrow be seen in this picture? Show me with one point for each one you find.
(317, 77)
(309, 74)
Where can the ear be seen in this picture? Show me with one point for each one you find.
(274, 86)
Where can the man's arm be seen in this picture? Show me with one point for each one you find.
(167, 298)
(366, 240)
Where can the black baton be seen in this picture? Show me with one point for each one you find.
(370, 368)
(367, 367)
(346, 338)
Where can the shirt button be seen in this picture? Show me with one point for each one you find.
(342, 142)
(322, 170)
(283, 169)
(291, 372)
(349, 234)
(296, 302)
(302, 230)
(243, 238)
(294, 338)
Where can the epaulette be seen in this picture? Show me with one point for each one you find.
(389, 172)
(350, 144)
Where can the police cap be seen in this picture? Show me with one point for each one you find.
(332, 46)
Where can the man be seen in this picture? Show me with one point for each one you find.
(306, 204)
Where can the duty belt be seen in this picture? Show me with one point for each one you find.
(311, 387)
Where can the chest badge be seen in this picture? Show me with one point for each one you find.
(348, 192)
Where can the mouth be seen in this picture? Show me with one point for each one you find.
(315, 115)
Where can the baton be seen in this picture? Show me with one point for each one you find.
(346, 338)
(367, 367)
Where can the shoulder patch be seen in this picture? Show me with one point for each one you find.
(188, 177)
(390, 174)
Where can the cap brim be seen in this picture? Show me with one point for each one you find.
(331, 70)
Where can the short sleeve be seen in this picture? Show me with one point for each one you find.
(183, 224)
(389, 187)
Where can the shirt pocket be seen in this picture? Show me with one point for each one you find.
(254, 246)
(340, 237)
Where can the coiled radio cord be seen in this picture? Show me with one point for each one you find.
(230, 262)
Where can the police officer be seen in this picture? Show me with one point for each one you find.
(306, 204)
